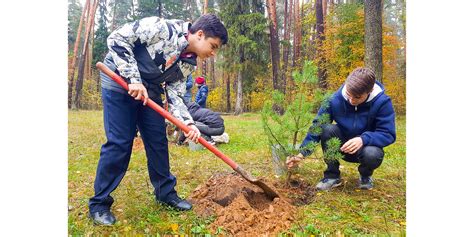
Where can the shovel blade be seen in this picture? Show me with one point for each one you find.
(269, 192)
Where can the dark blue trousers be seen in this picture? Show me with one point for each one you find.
(122, 115)
(369, 157)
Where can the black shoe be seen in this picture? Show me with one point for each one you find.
(366, 183)
(181, 138)
(179, 204)
(103, 217)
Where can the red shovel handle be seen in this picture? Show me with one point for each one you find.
(150, 103)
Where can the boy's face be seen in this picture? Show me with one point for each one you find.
(356, 100)
(204, 47)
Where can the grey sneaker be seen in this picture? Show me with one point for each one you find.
(327, 183)
(366, 183)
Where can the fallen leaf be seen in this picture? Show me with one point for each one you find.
(174, 227)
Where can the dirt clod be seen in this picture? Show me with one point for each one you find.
(241, 208)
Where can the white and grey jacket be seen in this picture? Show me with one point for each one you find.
(141, 51)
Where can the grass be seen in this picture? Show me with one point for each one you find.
(344, 211)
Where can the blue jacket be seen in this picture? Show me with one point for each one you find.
(373, 120)
(189, 85)
(201, 96)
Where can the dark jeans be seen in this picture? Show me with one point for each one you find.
(369, 157)
(122, 114)
(205, 131)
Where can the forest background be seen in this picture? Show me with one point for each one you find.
(439, 67)
(268, 40)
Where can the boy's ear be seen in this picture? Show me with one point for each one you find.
(200, 33)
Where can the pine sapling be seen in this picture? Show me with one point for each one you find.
(285, 130)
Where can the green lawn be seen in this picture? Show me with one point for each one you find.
(343, 211)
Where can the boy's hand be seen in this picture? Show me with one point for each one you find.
(137, 91)
(352, 146)
(193, 134)
(292, 161)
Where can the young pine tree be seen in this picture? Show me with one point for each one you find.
(286, 131)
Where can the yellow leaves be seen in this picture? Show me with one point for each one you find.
(344, 49)
(174, 227)
(215, 99)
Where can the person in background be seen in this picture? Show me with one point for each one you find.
(189, 86)
(208, 122)
(202, 93)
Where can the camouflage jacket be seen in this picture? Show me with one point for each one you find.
(146, 48)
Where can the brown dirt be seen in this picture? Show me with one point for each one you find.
(242, 208)
(298, 191)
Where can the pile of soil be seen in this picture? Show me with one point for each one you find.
(242, 208)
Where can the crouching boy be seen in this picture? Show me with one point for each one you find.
(364, 123)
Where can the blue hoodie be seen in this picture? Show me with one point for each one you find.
(373, 120)
(201, 95)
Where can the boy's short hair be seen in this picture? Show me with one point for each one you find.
(360, 81)
(211, 26)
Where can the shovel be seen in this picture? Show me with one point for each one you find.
(247, 176)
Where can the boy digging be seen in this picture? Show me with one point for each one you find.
(150, 54)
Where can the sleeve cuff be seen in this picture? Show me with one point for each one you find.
(365, 139)
(305, 152)
(135, 81)
(189, 122)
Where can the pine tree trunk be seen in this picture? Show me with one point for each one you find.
(202, 63)
(227, 87)
(239, 94)
(319, 42)
(72, 66)
(274, 43)
(212, 72)
(87, 62)
(133, 10)
(80, 76)
(286, 38)
(89, 58)
(160, 9)
(373, 36)
(112, 25)
(297, 33)
(325, 7)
